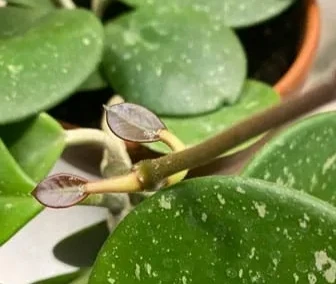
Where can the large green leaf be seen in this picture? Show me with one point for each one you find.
(255, 97)
(222, 230)
(16, 20)
(38, 143)
(44, 65)
(234, 13)
(301, 157)
(173, 68)
(34, 4)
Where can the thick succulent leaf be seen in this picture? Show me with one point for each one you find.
(44, 65)
(78, 277)
(222, 230)
(17, 206)
(16, 20)
(234, 13)
(255, 97)
(302, 156)
(157, 60)
(35, 144)
(133, 122)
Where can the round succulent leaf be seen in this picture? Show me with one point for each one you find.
(255, 97)
(16, 20)
(222, 230)
(60, 191)
(302, 157)
(234, 13)
(133, 122)
(44, 65)
(156, 60)
(33, 148)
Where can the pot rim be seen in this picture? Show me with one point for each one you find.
(297, 72)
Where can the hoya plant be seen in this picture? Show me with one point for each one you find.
(181, 71)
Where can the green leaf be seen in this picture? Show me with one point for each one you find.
(31, 143)
(94, 82)
(16, 20)
(43, 66)
(34, 4)
(78, 277)
(222, 230)
(170, 67)
(234, 13)
(255, 97)
(302, 156)
(36, 145)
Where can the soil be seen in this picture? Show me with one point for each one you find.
(271, 48)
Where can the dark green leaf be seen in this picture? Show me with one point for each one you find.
(234, 13)
(17, 206)
(222, 230)
(79, 277)
(172, 67)
(301, 157)
(255, 97)
(43, 66)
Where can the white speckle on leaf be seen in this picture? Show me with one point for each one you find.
(328, 164)
(220, 198)
(296, 277)
(204, 217)
(164, 203)
(326, 264)
(111, 281)
(8, 206)
(148, 268)
(137, 271)
(261, 208)
(184, 280)
(252, 253)
(240, 273)
(86, 41)
(14, 69)
(240, 190)
(312, 278)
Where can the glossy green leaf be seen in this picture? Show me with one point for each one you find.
(222, 230)
(29, 145)
(301, 157)
(255, 97)
(16, 20)
(170, 67)
(78, 277)
(234, 13)
(44, 65)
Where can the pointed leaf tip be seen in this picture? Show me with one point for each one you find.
(133, 122)
(60, 191)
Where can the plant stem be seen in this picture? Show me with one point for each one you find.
(98, 6)
(67, 4)
(175, 145)
(156, 170)
(125, 183)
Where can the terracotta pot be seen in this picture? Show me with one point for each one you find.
(294, 78)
